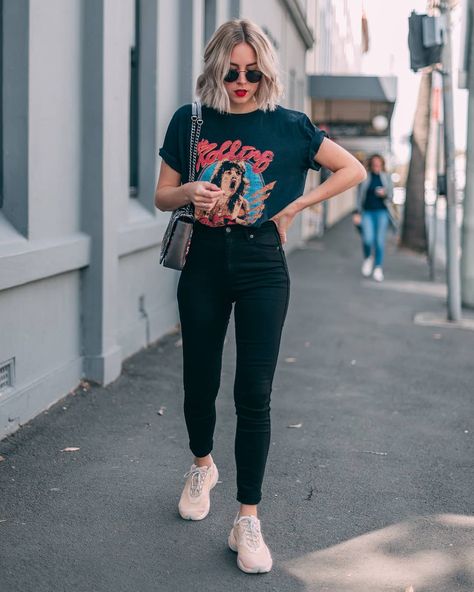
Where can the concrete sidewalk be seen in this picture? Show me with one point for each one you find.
(374, 492)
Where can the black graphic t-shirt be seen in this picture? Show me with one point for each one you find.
(260, 159)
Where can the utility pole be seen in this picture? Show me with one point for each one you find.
(452, 229)
(438, 161)
(467, 259)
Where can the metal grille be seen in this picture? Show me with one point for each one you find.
(6, 375)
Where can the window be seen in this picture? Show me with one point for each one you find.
(1, 103)
(14, 105)
(134, 111)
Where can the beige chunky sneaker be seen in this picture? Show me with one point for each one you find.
(253, 555)
(194, 503)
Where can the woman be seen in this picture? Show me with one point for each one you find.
(373, 215)
(239, 260)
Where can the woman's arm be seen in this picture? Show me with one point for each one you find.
(170, 194)
(347, 172)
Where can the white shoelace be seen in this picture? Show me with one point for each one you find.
(251, 531)
(198, 475)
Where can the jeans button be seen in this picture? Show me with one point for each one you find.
(227, 229)
(251, 236)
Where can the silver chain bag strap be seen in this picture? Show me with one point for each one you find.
(177, 238)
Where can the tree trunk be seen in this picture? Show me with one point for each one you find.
(413, 235)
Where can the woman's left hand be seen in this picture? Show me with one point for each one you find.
(283, 221)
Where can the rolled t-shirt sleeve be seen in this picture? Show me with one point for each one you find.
(313, 138)
(170, 151)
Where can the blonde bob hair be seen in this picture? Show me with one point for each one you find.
(210, 84)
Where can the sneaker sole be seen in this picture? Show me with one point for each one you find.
(250, 570)
(206, 512)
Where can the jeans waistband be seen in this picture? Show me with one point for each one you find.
(269, 226)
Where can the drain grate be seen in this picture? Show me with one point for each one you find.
(6, 375)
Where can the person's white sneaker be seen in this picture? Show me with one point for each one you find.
(367, 266)
(253, 555)
(378, 274)
(195, 503)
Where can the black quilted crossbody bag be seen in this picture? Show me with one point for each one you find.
(177, 238)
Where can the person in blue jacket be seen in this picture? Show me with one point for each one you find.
(372, 196)
(252, 160)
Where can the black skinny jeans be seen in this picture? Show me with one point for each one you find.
(247, 267)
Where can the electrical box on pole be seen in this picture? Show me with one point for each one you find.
(425, 40)
(429, 41)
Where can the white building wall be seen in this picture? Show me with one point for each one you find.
(54, 119)
(337, 26)
(80, 283)
(41, 247)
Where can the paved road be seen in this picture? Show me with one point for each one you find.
(372, 493)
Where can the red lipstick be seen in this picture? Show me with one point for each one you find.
(241, 93)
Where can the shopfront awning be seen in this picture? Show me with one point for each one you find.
(353, 105)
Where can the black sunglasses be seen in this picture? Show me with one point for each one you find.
(251, 75)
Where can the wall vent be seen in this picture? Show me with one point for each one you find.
(6, 375)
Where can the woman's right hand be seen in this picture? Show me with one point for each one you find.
(203, 194)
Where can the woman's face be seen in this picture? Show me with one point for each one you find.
(243, 57)
(376, 165)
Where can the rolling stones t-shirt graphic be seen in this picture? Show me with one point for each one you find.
(237, 170)
(259, 159)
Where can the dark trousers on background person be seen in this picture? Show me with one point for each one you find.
(245, 267)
